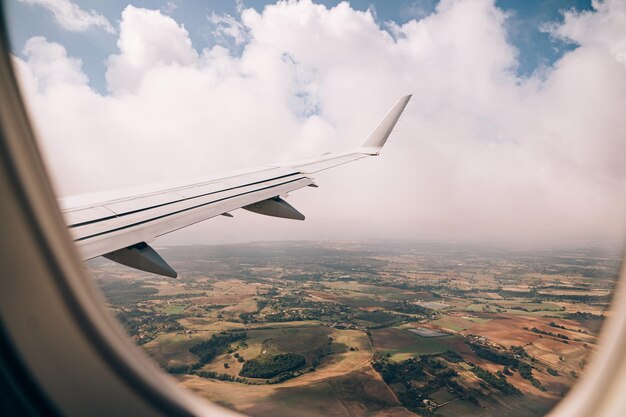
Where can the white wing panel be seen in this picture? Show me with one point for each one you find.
(86, 214)
(149, 213)
(138, 203)
(127, 218)
(325, 162)
(108, 237)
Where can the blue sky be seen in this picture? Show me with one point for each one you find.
(526, 18)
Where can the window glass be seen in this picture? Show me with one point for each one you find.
(465, 271)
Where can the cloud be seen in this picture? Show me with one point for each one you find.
(148, 39)
(601, 28)
(227, 26)
(50, 66)
(71, 17)
(479, 154)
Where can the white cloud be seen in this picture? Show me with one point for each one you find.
(601, 28)
(71, 17)
(148, 40)
(480, 153)
(226, 26)
(50, 65)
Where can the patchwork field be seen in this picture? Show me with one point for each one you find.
(325, 326)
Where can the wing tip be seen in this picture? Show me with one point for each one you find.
(377, 139)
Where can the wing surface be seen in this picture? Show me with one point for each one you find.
(121, 228)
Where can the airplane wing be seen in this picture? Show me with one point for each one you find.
(120, 229)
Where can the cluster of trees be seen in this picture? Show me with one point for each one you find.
(252, 317)
(223, 377)
(518, 350)
(559, 335)
(209, 349)
(502, 358)
(427, 369)
(408, 308)
(499, 381)
(127, 292)
(403, 372)
(581, 315)
(144, 326)
(526, 372)
(552, 371)
(451, 356)
(275, 365)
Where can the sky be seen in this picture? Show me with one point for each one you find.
(515, 133)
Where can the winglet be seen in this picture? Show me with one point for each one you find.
(378, 137)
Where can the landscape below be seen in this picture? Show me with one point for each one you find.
(369, 329)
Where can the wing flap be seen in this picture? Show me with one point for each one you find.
(275, 207)
(141, 256)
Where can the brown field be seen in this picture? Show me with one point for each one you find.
(357, 393)
(507, 329)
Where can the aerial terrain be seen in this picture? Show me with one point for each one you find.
(370, 328)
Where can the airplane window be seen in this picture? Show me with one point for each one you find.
(467, 269)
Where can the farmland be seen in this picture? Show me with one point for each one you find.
(386, 329)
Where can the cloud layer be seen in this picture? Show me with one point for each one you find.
(480, 154)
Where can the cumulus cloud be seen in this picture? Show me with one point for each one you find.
(479, 154)
(71, 17)
(50, 66)
(601, 28)
(148, 40)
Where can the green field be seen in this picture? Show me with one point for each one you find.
(174, 308)
(516, 307)
(401, 344)
(173, 349)
(306, 341)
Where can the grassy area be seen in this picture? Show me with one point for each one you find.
(173, 349)
(174, 308)
(516, 307)
(457, 324)
(402, 345)
(442, 396)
